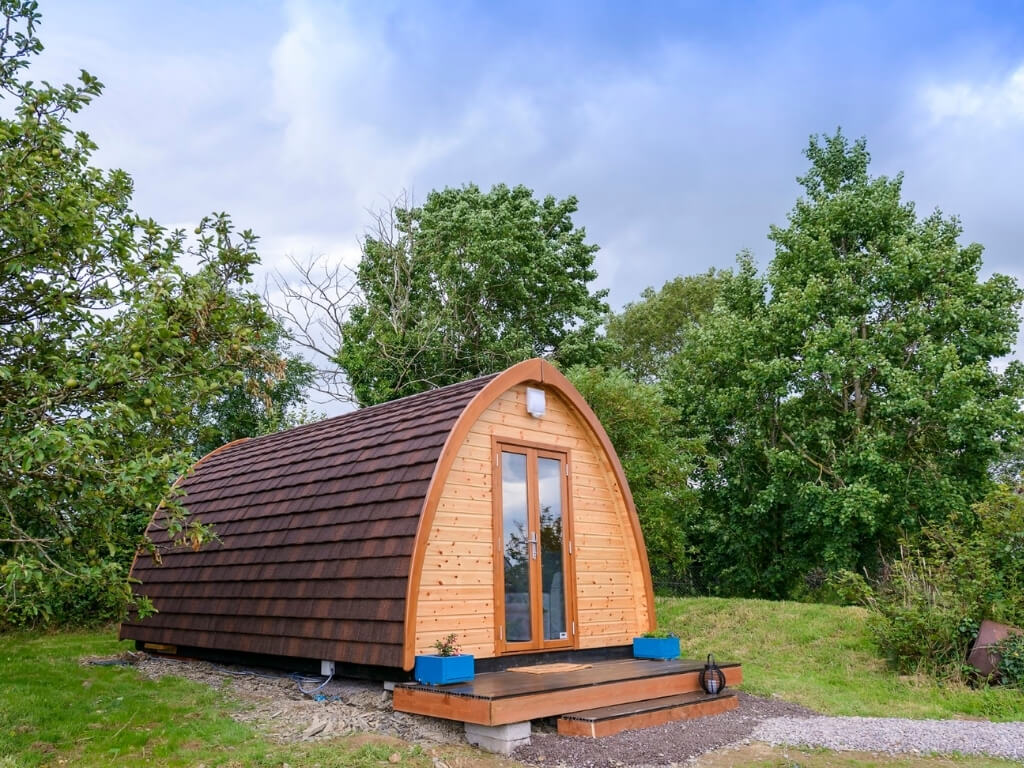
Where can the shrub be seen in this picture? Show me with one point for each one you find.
(448, 646)
(928, 603)
(1011, 660)
(661, 634)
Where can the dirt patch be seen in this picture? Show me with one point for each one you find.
(669, 744)
(273, 702)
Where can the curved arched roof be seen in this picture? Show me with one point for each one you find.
(321, 530)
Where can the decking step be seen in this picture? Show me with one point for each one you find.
(605, 721)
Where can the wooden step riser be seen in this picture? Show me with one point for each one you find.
(597, 729)
(517, 709)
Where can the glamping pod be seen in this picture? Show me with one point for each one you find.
(494, 508)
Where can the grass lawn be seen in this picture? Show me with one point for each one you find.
(54, 712)
(820, 656)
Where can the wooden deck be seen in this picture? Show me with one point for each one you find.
(499, 698)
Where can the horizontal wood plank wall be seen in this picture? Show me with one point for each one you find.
(456, 592)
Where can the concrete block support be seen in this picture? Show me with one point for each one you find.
(501, 739)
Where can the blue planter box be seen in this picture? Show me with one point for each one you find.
(656, 647)
(444, 670)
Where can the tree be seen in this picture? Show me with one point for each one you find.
(657, 461)
(648, 333)
(848, 396)
(467, 284)
(108, 350)
(270, 398)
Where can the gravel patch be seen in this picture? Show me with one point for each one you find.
(273, 702)
(892, 735)
(667, 744)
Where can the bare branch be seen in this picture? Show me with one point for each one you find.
(312, 308)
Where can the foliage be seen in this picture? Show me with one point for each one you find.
(847, 395)
(648, 333)
(928, 603)
(657, 463)
(823, 657)
(661, 634)
(1011, 659)
(269, 399)
(468, 284)
(108, 350)
(448, 645)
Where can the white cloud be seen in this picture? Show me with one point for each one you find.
(998, 104)
(333, 85)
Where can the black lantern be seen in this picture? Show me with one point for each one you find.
(712, 678)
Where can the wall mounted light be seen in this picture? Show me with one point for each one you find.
(536, 402)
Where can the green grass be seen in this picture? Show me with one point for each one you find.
(820, 656)
(54, 712)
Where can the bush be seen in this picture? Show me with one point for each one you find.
(1011, 660)
(928, 603)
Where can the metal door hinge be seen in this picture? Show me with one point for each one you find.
(574, 628)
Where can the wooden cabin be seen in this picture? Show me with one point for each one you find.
(495, 509)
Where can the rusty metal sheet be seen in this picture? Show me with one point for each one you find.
(981, 655)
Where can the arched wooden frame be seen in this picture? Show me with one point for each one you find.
(542, 372)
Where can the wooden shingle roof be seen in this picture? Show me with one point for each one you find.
(317, 527)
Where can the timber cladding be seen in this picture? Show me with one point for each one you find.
(366, 537)
(457, 587)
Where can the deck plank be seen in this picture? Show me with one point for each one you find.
(606, 721)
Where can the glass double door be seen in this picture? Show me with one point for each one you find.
(535, 599)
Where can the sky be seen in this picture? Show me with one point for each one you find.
(678, 126)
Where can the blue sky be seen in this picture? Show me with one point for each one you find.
(679, 126)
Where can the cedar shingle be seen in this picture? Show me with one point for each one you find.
(316, 527)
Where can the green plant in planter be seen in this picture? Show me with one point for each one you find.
(1011, 660)
(661, 634)
(448, 646)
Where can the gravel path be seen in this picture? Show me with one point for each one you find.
(663, 745)
(890, 734)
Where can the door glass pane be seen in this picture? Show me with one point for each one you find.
(549, 482)
(515, 530)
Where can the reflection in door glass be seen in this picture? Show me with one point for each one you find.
(549, 482)
(515, 530)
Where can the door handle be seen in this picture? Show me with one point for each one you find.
(533, 543)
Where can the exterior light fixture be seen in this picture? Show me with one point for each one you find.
(711, 678)
(536, 403)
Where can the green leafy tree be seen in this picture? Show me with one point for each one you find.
(657, 461)
(848, 396)
(467, 284)
(270, 398)
(648, 333)
(108, 350)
